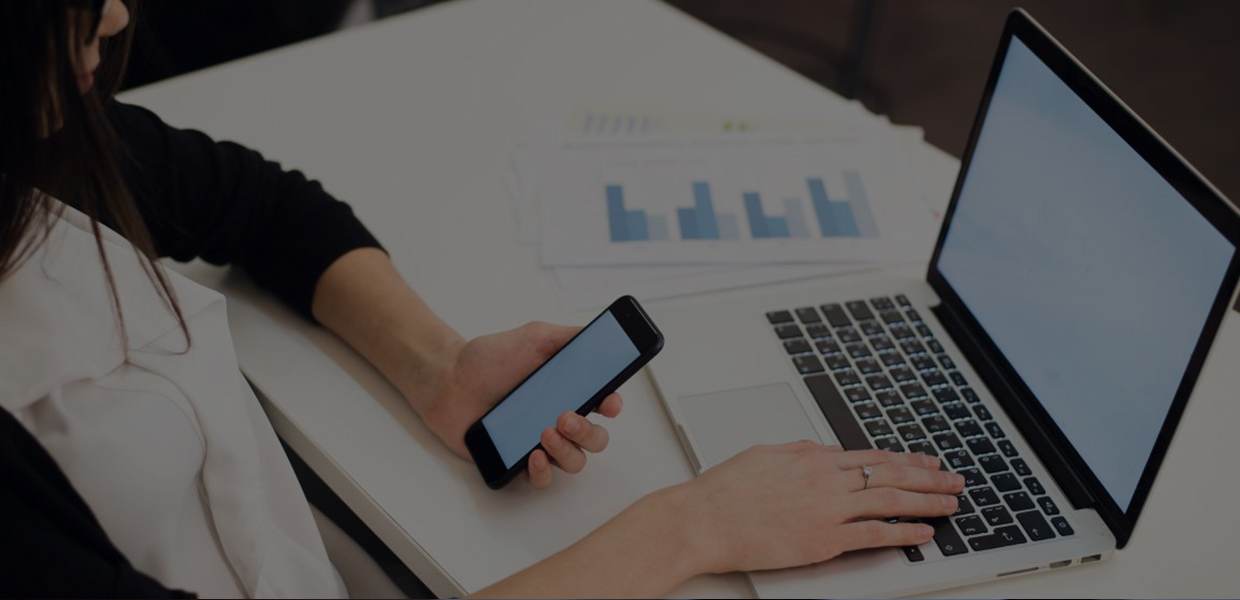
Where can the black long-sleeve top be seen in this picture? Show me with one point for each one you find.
(217, 201)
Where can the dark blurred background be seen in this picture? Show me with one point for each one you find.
(921, 62)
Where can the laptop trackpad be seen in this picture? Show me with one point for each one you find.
(721, 424)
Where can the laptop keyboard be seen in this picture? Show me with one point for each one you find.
(883, 381)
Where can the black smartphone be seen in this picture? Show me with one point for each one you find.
(593, 364)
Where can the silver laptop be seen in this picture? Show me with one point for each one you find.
(1080, 275)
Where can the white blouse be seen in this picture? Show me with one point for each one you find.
(170, 449)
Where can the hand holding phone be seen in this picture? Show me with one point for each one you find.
(592, 365)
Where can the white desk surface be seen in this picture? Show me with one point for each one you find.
(411, 120)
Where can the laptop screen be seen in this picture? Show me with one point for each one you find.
(1090, 273)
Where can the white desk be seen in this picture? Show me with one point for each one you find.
(411, 120)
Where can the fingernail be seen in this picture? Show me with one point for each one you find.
(571, 425)
(949, 503)
(958, 480)
(538, 461)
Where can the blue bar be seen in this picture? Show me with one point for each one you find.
(822, 207)
(860, 206)
(796, 218)
(636, 225)
(847, 226)
(757, 220)
(658, 228)
(707, 226)
(616, 215)
(632, 122)
(688, 223)
(777, 227)
(728, 229)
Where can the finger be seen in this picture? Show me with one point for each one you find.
(611, 406)
(886, 502)
(582, 432)
(539, 470)
(566, 455)
(549, 337)
(879, 534)
(914, 479)
(857, 458)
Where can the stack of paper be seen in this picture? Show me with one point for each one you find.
(659, 205)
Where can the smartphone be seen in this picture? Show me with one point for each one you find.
(593, 364)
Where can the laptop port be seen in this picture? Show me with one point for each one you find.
(1029, 570)
(1061, 563)
(1091, 558)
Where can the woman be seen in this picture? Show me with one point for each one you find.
(135, 459)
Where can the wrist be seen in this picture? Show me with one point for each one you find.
(679, 521)
(430, 371)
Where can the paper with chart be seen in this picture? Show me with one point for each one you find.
(713, 199)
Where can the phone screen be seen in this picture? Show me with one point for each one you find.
(592, 359)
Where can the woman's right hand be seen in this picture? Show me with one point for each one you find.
(772, 507)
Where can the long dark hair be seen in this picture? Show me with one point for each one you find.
(56, 141)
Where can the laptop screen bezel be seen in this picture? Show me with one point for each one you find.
(1184, 179)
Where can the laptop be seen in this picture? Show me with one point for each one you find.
(1080, 275)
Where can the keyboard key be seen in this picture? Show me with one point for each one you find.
(936, 424)
(955, 411)
(867, 411)
(837, 412)
(1035, 486)
(980, 446)
(924, 331)
(959, 459)
(945, 395)
(1022, 469)
(891, 359)
(818, 330)
(901, 299)
(924, 407)
(913, 554)
(808, 315)
(1036, 526)
(973, 477)
(878, 382)
(857, 394)
(808, 364)
(891, 316)
(912, 315)
(827, 346)
(984, 496)
(934, 346)
(900, 415)
(947, 362)
(970, 396)
(858, 350)
(992, 464)
(911, 433)
(923, 448)
(882, 343)
(871, 327)
(913, 391)
(902, 331)
(903, 374)
(1002, 537)
(889, 398)
(836, 362)
(933, 378)
(995, 431)
(1018, 501)
(968, 428)
(797, 346)
(847, 378)
(971, 525)
(921, 363)
(848, 335)
(996, 515)
(889, 444)
(1008, 449)
(982, 413)
(1005, 482)
(878, 428)
(1048, 505)
(779, 317)
(869, 366)
(1061, 525)
(912, 347)
(963, 506)
(788, 331)
(945, 536)
(836, 315)
(947, 441)
(957, 378)
(860, 311)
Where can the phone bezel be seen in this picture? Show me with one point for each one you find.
(640, 330)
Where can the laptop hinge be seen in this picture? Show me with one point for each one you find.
(1035, 433)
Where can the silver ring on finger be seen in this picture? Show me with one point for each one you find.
(867, 472)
